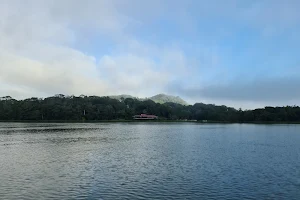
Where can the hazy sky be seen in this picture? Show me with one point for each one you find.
(238, 53)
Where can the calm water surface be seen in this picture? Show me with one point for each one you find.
(149, 161)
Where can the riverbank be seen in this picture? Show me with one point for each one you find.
(144, 121)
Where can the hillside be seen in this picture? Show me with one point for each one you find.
(163, 98)
(80, 108)
(159, 98)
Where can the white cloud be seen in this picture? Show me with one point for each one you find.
(36, 58)
(132, 74)
(72, 74)
(37, 39)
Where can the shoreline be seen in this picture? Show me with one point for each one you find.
(142, 121)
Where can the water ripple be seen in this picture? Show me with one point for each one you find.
(149, 161)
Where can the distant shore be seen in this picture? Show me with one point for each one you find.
(142, 121)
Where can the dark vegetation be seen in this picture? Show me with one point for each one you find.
(72, 108)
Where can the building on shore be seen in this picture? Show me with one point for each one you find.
(145, 117)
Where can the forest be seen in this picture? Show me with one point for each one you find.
(94, 108)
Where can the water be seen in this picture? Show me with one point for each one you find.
(149, 161)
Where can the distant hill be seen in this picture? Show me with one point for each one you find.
(92, 108)
(159, 98)
(163, 98)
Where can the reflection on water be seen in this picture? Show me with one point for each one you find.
(149, 161)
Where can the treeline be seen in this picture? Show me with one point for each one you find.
(60, 107)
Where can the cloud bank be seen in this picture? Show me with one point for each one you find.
(195, 49)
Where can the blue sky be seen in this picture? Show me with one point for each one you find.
(238, 53)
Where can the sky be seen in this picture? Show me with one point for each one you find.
(243, 54)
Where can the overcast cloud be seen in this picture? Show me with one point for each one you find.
(244, 54)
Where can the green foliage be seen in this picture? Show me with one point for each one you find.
(163, 98)
(61, 107)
